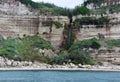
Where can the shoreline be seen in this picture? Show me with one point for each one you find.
(11, 65)
(59, 69)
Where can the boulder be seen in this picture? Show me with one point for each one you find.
(14, 64)
(26, 63)
(8, 63)
(86, 66)
(20, 64)
(73, 65)
(30, 63)
(49, 53)
(2, 64)
(80, 66)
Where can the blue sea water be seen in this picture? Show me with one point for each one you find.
(58, 76)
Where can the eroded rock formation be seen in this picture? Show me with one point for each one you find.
(13, 7)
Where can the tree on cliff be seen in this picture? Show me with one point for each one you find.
(31, 3)
(96, 3)
(42, 7)
(83, 10)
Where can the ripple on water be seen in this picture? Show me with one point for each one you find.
(58, 76)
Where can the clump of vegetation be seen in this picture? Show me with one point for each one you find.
(96, 3)
(60, 59)
(92, 21)
(78, 53)
(26, 48)
(76, 57)
(45, 33)
(113, 43)
(45, 7)
(31, 3)
(57, 24)
(80, 57)
(89, 43)
(53, 9)
(81, 10)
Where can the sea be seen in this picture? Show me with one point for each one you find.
(59, 76)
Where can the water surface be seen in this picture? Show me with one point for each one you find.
(58, 76)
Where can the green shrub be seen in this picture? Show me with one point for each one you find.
(95, 45)
(25, 48)
(113, 43)
(60, 59)
(76, 57)
(99, 22)
(80, 57)
(44, 8)
(57, 24)
(89, 43)
(45, 33)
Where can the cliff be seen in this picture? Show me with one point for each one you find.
(14, 26)
(16, 20)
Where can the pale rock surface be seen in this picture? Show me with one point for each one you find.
(8, 63)
(49, 53)
(13, 7)
(72, 65)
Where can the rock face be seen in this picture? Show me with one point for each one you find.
(14, 26)
(13, 7)
(113, 32)
(17, 25)
(17, 20)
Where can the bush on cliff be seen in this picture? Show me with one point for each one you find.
(89, 43)
(78, 53)
(113, 43)
(76, 57)
(80, 57)
(26, 48)
(45, 7)
(60, 59)
(92, 21)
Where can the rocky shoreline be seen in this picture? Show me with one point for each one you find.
(62, 68)
(6, 64)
